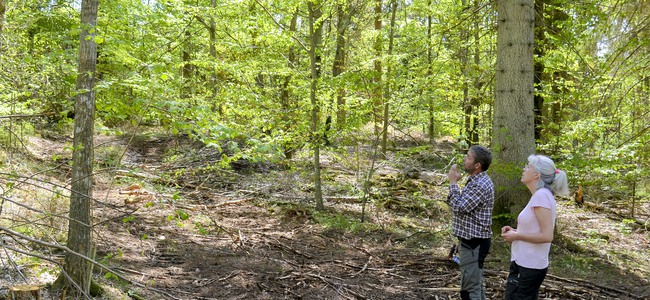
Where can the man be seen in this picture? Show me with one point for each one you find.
(472, 219)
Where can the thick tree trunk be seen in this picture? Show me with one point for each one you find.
(316, 36)
(514, 136)
(79, 230)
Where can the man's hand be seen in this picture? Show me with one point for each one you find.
(454, 174)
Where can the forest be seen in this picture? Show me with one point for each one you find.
(299, 149)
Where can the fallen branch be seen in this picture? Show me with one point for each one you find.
(364, 267)
(142, 175)
(86, 258)
(601, 287)
(23, 116)
(620, 215)
(335, 285)
(584, 284)
(43, 212)
(290, 249)
(232, 202)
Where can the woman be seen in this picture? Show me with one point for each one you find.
(531, 241)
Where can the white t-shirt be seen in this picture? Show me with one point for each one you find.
(529, 255)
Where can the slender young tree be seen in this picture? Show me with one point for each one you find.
(285, 90)
(315, 38)
(463, 54)
(79, 228)
(479, 81)
(429, 73)
(3, 10)
(513, 128)
(343, 19)
(378, 47)
(387, 91)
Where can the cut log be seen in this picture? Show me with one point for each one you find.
(25, 292)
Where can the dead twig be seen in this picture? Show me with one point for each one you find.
(364, 267)
(86, 258)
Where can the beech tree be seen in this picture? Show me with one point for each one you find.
(79, 228)
(315, 39)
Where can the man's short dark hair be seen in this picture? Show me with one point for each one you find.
(482, 155)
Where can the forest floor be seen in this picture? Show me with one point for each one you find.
(178, 226)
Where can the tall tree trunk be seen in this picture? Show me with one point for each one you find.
(377, 94)
(79, 228)
(387, 94)
(315, 38)
(285, 95)
(338, 67)
(431, 123)
(552, 116)
(514, 135)
(217, 105)
(464, 65)
(540, 43)
(186, 70)
(475, 100)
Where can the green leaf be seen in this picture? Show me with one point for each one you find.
(182, 214)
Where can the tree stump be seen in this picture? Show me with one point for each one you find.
(25, 292)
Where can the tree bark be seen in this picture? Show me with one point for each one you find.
(475, 100)
(377, 95)
(387, 93)
(79, 230)
(540, 44)
(217, 104)
(431, 109)
(285, 94)
(186, 70)
(463, 54)
(315, 37)
(338, 67)
(514, 136)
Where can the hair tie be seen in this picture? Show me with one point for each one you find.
(557, 171)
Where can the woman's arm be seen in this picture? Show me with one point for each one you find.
(546, 225)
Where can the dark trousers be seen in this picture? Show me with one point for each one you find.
(472, 256)
(523, 283)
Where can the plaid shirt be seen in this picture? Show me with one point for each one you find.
(472, 208)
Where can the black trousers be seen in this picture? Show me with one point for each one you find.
(523, 283)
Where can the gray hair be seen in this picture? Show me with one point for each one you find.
(550, 177)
